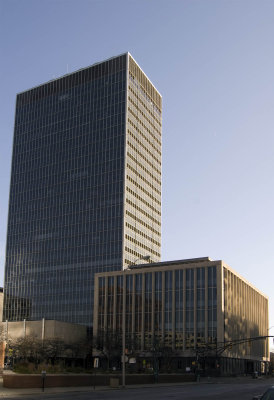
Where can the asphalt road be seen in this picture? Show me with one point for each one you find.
(222, 391)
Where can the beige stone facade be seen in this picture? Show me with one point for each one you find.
(40, 330)
(197, 308)
(245, 316)
(142, 223)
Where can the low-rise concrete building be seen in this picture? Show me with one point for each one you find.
(2, 347)
(1, 303)
(43, 330)
(207, 315)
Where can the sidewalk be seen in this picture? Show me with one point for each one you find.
(9, 393)
(6, 393)
(237, 379)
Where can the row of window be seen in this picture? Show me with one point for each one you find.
(137, 110)
(101, 107)
(135, 195)
(141, 165)
(101, 86)
(144, 86)
(148, 215)
(143, 179)
(140, 153)
(142, 222)
(141, 233)
(146, 148)
(136, 243)
(106, 72)
(156, 119)
(82, 139)
(140, 122)
(183, 304)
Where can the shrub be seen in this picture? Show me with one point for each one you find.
(24, 368)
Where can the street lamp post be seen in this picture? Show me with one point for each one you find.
(124, 322)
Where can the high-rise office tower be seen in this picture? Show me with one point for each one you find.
(85, 193)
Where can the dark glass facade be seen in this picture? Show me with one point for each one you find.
(67, 193)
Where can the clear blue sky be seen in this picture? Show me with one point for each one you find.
(213, 62)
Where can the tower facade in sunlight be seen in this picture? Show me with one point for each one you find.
(85, 192)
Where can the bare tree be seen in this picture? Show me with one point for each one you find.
(109, 344)
(25, 349)
(53, 349)
(2, 343)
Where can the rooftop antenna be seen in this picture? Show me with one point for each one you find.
(67, 69)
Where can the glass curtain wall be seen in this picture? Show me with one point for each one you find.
(66, 194)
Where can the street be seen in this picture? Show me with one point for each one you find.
(225, 391)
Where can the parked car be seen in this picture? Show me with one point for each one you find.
(268, 395)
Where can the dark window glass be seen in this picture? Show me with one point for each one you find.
(66, 195)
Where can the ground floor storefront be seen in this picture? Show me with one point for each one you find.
(206, 366)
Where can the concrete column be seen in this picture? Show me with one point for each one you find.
(267, 325)
(206, 304)
(173, 310)
(163, 306)
(143, 313)
(184, 310)
(24, 328)
(114, 303)
(195, 308)
(153, 307)
(96, 306)
(7, 330)
(124, 332)
(133, 304)
(220, 302)
(106, 304)
(43, 329)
